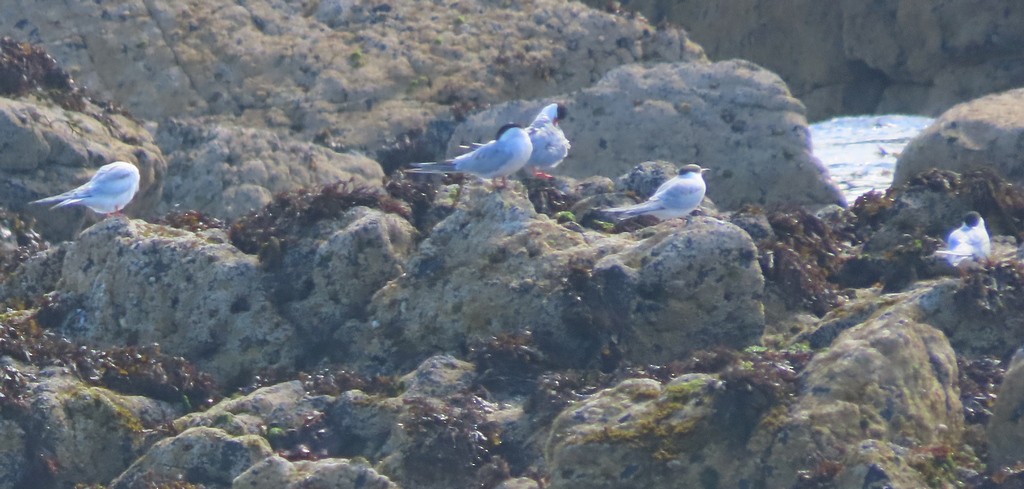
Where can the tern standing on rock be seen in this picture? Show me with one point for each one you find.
(677, 197)
(505, 155)
(549, 144)
(967, 241)
(109, 190)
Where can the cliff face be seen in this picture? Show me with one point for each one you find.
(855, 57)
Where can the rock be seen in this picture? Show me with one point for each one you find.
(733, 117)
(644, 434)
(198, 299)
(91, 433)
(981, 133)
(503, 269)
(225, 171)
(1004, 429)
(13, 454)
(890, 379)
(439, 376)
(891, 57)
(278, 473)
(282, 406)
(49, 150)
(360, 72)
(205, 456)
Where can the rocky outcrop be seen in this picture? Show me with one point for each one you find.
(49, 149)
(226, 171)
(849, 57)
(360, 72)
(890, 381)
(984, 133)
(205, 456)
(1005, 432)
(680, 286)
(129, 282)
(733, 117)
(278, 473)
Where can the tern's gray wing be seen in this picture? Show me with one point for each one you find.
(679, 194)
(485, 160)
(549, 145)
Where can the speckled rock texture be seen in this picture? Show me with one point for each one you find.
(891, 380)
(204, 456)
(1005, 432)
(502, 268)
(360, 72)
(138, 283)
(278, 473)
(227, 171)
(852, 57)
(733, 117)
(49, 150)
(982, 133)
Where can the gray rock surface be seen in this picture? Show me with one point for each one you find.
(71, 421)
(49, 150)
(1005, 431)
(140, 283)
(204, 456)
(733, 117)
(284, 406)
(278, 473)
(226, 171)
(981, 133)
(852, 57)
(890, 379)
(361, 71)
(501, 268)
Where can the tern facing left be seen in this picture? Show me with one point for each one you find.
(109, 190)
(967, 241)
(677, 197)
(505, 155)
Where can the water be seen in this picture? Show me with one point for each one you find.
(860, 152)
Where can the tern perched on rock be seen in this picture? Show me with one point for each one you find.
(675, 198)
(505, 155)
(967, 241)
(549, 144)
(109, 190)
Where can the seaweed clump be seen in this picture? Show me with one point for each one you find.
(275, 223)
(18, 241)
(979, 382)
(509, 362)
(25, 68)
(134, 370)
(799, 262)
(191, 220)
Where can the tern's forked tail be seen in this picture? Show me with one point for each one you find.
(441, 167)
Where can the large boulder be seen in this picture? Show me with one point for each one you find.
(49, 149)
(225, 171)
(138, 283)
(889, 381)
(495, 266)
(88, 434)
(981, 133)
(202, 456)
(1005, 431)
(278, 473)
(362, 71)
(854, 57)
(734, 117)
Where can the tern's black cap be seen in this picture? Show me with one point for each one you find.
(506, 127)
(561, 112)
(972, 219)
(691, 168)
